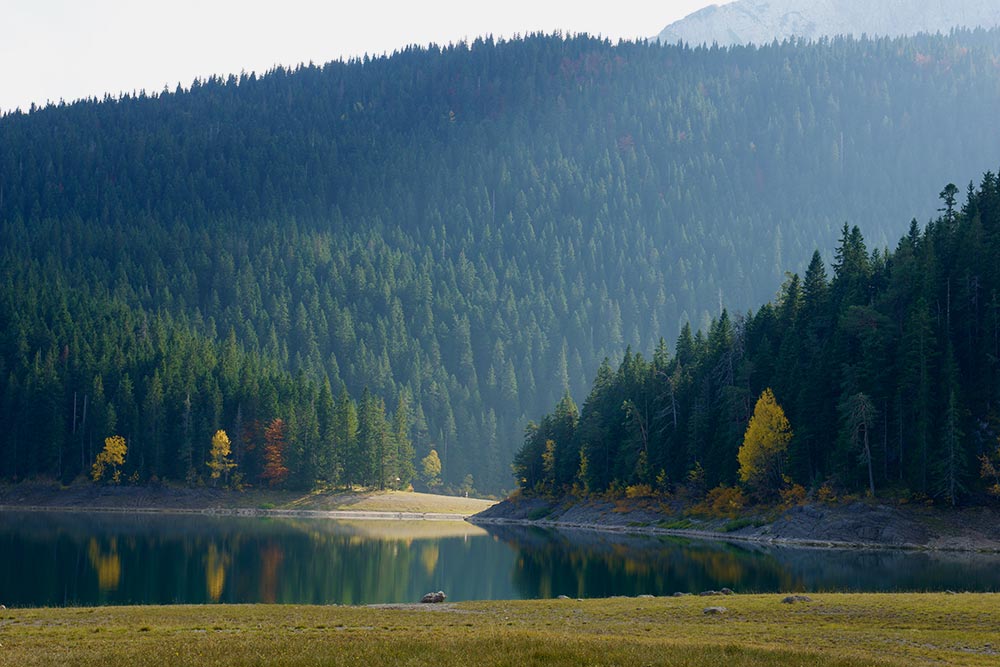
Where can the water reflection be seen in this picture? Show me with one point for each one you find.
(53, 559)
(215, 572)
(107, 564)
(581, 563)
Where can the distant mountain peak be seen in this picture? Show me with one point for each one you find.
(763, 21)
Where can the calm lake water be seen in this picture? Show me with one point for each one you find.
(57, 559)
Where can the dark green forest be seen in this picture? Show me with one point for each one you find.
(888, 371)
(437, 244)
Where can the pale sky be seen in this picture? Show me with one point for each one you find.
(68, 49)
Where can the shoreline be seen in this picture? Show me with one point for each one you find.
(247, 512)
(854, 526)
(42, 496)
(715, 536)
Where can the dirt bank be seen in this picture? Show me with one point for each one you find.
(853, 525)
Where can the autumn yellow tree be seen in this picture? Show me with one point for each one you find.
(220, 464)
(765, 446)
(430, 468)
(111, 457)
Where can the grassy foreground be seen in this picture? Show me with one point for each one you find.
(834, 629)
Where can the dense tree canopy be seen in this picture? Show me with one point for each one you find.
(467, 232)
(888, 373)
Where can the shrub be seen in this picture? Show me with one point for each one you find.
(722, 502)
(616, 491)
(539, 513)
(639, 491)
(736, 524)
(826, 494)
(792, 496)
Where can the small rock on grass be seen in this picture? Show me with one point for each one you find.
(432, 598)
(562, 597)
(727, 591)
(714, 610)
(792, 599)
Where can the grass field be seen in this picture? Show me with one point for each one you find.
(834, 629)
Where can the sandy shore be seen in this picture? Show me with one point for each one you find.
(395, 505)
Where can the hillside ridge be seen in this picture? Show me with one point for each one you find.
(762, 21)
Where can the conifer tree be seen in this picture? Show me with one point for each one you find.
(402, 443)
(345, 426)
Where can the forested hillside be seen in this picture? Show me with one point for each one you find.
(466, 232)
(888, 373)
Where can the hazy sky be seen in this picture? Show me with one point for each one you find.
(68, 49)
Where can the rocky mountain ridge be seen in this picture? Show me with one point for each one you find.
(762, 21)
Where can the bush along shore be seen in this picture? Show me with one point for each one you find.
(849, 524)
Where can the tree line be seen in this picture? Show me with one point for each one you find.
(470, 229)
(883, 379)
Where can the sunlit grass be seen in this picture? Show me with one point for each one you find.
(835, 629)
(84, 496)
(397, 501)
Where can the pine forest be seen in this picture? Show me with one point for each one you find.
(384, 271)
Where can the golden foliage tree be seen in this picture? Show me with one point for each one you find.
(220, 464)
(110, 460)
(765, 445)
(430, 468)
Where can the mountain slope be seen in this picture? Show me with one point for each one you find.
(762, 21)
(468, 231)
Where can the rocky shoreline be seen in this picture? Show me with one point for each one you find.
(856, 525)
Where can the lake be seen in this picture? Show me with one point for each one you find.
(59, 559)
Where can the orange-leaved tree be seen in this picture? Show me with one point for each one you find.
(275, 472)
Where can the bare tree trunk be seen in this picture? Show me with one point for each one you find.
(868, 455)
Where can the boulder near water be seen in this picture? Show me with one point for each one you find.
(432, 598)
